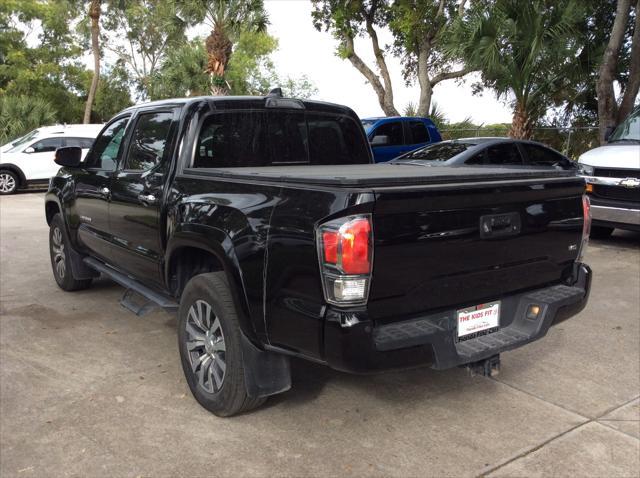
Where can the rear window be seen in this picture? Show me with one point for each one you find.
(277, 138)
(437, 152)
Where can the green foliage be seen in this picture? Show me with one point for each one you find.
(250, 70)
(113, 95)
(183, 72)
(524, 49)
(232, 16)
(140, 33)
(21, 114)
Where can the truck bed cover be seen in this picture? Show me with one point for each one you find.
(380, 175)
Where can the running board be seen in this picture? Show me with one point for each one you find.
(131, 284)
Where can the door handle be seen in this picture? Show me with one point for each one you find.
(148, 199)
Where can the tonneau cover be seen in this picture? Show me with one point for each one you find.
(380, 175)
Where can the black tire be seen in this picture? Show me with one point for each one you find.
(600, 232)
(60, 260)
(204, 349)
(9, 182)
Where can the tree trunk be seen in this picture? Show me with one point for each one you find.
(633, 85)
(219, 49)
(426, 88)
(522, 124)
(385, 96)
(94, 14)
(607, 106)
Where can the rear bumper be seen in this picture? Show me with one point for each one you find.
(355, 344)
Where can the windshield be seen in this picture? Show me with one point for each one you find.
(367, 125)
(15, 145)
(628, 130)
(437, 152)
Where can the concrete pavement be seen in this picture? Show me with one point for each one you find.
(88, 389)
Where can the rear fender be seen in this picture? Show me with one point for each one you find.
(217, 243)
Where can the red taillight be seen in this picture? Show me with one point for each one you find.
(586, 210)
(354, 239)
(345, 252)
(330, 246)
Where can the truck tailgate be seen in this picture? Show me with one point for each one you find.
(455, 245)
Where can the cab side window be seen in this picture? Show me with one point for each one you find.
(393, 131)
(47, 145)
(106, 150)
(149, 140)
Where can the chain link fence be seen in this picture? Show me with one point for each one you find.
(572, 141)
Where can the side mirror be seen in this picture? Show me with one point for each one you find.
(29, 150)
(380, 140)
(608, 132)
(69, 157)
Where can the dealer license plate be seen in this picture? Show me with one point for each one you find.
(480, 320)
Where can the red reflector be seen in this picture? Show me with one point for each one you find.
(354, 239)
(330, 246)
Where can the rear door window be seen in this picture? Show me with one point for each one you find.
(540, 156)
(393, 130)
(503, 154)
(47, 145)
(84, 143)
(419, 132)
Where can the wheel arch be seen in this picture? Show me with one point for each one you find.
(190, 253)
(16, 170)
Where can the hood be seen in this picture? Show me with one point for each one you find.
(623, 155)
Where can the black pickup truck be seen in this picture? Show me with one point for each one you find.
(263, 222)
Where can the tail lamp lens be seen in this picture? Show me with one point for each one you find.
(586, 226)
(345, 251)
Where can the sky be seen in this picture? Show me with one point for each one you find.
(304, 50)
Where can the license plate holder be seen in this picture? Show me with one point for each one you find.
(478, 320)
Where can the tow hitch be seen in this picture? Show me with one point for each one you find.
(486, 368)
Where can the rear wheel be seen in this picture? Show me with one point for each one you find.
(600, 232)
(210, 346)
(60, 260)
(8, 182)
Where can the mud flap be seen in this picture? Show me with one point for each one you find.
(265, 373)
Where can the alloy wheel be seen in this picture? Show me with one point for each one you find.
(206, 346)
(7, 183)
(57, 246)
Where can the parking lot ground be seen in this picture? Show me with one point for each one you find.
(88, 389)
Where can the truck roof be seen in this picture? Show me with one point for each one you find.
(257, 102)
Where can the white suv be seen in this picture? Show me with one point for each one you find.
(29, 159)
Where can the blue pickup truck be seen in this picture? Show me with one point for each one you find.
(392, 136)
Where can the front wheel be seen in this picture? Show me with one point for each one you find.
(210, 346)
(60, 259)
(8, 182)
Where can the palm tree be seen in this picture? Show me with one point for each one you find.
(522, 49)
(94, 15)
(226, 18)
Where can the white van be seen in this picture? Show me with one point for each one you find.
(613, 179)
(29, 160)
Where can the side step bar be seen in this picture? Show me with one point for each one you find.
(131, 284)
